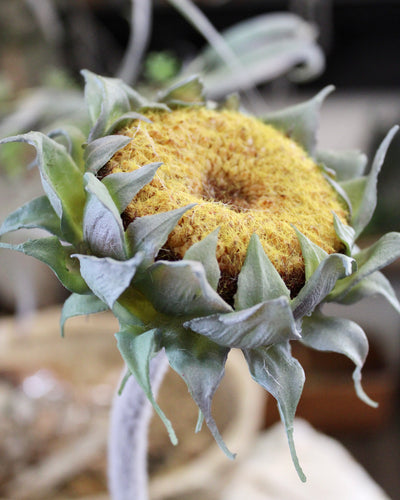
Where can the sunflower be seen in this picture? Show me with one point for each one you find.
(205, 229)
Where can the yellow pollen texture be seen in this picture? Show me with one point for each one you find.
(245, 177)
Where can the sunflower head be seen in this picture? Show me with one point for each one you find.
(244, 177)
(205, 229)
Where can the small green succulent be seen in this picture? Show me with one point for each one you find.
(128, 265)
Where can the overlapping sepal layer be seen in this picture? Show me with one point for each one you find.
(175, 305)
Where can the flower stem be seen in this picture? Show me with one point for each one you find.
(127, 451)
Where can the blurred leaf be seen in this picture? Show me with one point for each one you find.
(342, 336)
(300, 122)
(347, 165)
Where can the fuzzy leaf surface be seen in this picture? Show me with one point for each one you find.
(61, 180)
(346, 164)
(204, 251)
(125, 119)
(188, 91)
(363, 192)
(258, 279)
(36, 213)
(80, 305)
(101, 150)
(282, 376)
(57, 257)
(123, 186)
(102, 224)
(149, 233)
(266, 323)
(74, 138)
(385, 251)
(374, 284)
(322, 281)
(201, 364)
(313, 255)
(342, 336)
(346, 234)
(300, 122)
(108, 278)
(181, 289)
(106, 100)
(137, 349)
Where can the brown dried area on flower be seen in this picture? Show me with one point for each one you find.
(246, 177)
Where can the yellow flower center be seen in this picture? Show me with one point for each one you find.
(246, 177)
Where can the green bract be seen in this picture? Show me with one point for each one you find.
(174, 305)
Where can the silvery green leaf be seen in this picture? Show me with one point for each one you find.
(181, 288)
(123, 186)
(204, 251)
(346, 234)
(322, 281)
(346, 164)
(201, 364)
(374, 284)
(137, 349)
(100, 151)
(36, 213)
(74, 138)
(363, 192)
(188, 91)
(258, 279)
(125, 315)
(102, 224)
(106, 277)
(107, 99)
(61, 179)
(385, 251)
(313, 255)
(341, 192)
(282, 376)
(80, 305)
(342, 336)
(149, 233)
(57, 257)
(125, 119)
(231, 102)
(354, 189)
(300, 122)
(266, 323)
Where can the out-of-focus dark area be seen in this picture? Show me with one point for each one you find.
(55, 393)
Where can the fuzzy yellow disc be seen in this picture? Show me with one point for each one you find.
(246, 177)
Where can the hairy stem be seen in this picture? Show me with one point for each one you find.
(127, 452)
